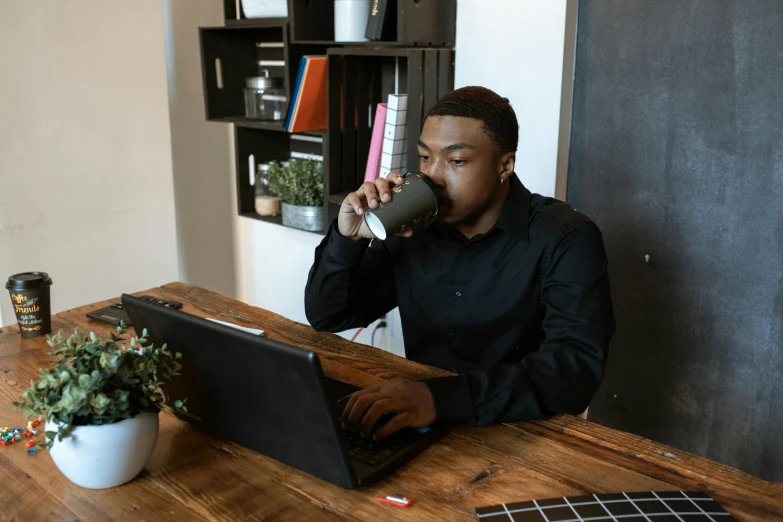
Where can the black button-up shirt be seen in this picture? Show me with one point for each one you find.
(522, 313)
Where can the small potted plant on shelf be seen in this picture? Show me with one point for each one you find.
(300, 184)
(101, 402)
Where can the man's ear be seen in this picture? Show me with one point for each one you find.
(506, 164)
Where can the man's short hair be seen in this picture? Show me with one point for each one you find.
(492, 110)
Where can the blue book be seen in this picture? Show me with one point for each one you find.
(295, 97)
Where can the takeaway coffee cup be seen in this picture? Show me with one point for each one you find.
(30, 296)
(414, 200)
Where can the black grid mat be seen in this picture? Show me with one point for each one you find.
(669, 506)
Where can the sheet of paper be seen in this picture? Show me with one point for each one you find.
(253, 331)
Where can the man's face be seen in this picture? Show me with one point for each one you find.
(461, 159)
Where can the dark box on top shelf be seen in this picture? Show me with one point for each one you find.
(234, 15)
(229, 56)
(419, 22)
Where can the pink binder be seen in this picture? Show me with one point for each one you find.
(376, 144)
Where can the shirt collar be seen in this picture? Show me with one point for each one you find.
(515, 216)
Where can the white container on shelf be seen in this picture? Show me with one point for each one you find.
(350, 20)
(265, 8)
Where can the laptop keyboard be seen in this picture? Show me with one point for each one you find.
(373, 452)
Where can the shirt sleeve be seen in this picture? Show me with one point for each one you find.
(351, 283)
(564, 373)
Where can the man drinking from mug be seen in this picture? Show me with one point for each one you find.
(505, 288)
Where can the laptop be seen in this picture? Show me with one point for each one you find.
(271, 397)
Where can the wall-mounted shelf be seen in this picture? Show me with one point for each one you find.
(235, 17)
(256, 22)
(253, 124)
(424, 23)
(416, 59)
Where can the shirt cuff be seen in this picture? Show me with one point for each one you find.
(453, 400)
(346, 252)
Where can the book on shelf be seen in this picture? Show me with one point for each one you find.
(394, 157)
(376, 144)
(382, 21)
(307, 111)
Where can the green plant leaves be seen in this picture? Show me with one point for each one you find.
(96, 383)
(301, 182)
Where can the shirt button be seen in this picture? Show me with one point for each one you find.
(452, 336)
(464, 250)
(458, 294)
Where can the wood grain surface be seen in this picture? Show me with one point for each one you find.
(193, 476)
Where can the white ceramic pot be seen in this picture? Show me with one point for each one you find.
(350, 20)
(99, 457)
(265, 8)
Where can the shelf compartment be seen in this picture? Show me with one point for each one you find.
(359, 79)
(258, 145)
(233, 15)
(418, 22)
(229, 56)
(254, 146)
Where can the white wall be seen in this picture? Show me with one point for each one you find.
(204, 188)
(514, 47)
(85, 154)
(272, 267)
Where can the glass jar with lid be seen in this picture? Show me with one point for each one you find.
(266, 203)
(265, 97)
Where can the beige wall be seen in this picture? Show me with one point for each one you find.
(203, 184)
(86, 189)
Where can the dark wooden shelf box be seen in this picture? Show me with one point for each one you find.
(258, 145)
(419, 22)
(235, 16)
(416, 58)
(358, 79)
(232, 54)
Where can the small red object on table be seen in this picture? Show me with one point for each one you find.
(394, 500)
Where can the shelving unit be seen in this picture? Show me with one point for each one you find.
(416, 59)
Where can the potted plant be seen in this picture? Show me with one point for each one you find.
(300, 183)
(101, 402)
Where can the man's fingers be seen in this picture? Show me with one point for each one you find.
(370, 193)
(396, 178)
(351, 401)
(377, 410)
(405, 232)
(355, 396)
(359, 409)
(355, 202)
(398, 422)
(384, 191)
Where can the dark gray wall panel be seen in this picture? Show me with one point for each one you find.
(677, 154)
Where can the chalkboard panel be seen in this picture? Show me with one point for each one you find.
(677, 154)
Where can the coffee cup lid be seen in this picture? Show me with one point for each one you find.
(28, 280)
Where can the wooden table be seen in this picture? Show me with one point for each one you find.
(193, 476)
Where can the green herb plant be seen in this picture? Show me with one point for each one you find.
(301, 182)
(94, 382)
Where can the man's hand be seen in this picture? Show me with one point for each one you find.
(350, 220)
(410, 402)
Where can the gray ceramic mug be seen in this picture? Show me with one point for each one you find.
(414, 200)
